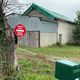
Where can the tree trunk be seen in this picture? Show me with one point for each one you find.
(7, 47)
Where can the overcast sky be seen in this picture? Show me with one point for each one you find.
(64, 7)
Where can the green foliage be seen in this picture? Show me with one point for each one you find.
(76, 31)
(40, 77)
(36, 66)
(32, 70)
(2, 30)
(36, 69)
(6, 48)
(59, 44)
(16, 76)
(64, 51)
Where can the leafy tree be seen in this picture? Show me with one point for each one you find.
(76, 31)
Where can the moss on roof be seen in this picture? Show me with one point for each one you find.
(46, 12)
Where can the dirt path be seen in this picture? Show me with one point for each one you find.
(22, 53)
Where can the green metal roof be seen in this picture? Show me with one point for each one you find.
(46, 12)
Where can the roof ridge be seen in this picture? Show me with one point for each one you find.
(51, 14)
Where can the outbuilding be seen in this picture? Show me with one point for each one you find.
(44, 27)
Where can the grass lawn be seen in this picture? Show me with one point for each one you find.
(65, 51)
(37, 67)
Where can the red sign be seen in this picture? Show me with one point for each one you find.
(20, 30)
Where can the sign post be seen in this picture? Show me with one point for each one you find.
(20, 30)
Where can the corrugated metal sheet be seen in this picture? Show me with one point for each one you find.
(33, 23)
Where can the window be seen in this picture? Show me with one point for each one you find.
(60, 38)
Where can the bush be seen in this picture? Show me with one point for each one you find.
(59, 44)
(17, 75)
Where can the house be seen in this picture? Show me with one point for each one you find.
(44, 27)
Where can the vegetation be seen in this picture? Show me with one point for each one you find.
(36, 69)
(36, 66)
(76, 31)
(7, 39)
(64, 51)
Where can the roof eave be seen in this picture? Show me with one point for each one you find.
(46, 13)
(39, 10)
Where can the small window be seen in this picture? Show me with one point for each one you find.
(60, 38)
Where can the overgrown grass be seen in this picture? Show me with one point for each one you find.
(64, 51)
(37, 67)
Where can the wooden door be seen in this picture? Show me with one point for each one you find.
(34, 39)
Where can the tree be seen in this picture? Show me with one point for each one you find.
(76, 31)
(7, 40)
(7, 44)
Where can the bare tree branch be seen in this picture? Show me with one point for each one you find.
(13, 5)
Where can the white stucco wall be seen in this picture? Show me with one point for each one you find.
(47, 39)
(65, 29)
